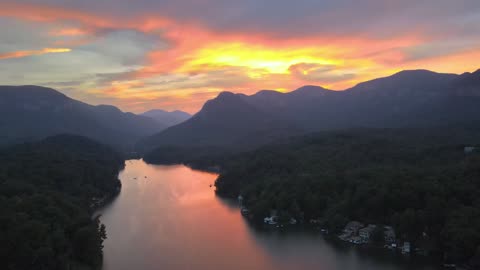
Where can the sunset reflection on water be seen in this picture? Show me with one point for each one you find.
(168, 217)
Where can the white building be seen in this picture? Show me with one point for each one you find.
(406, 248)
(366, 233)
(270, 220)
(469, 149)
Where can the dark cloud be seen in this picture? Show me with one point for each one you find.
(160, 53)
(286, 18)
(434, 49)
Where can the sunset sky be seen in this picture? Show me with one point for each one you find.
(147, 54)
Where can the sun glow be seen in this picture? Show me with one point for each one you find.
(255, 57)
(68, 32)
(149, 59)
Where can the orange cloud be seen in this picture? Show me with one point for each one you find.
(69, 32)
(206, 51)
(90, 21)
(211, 61)
(45, 13)
(19, 54)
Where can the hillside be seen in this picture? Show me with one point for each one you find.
(227, 121)
(419, 181)
(416, 98)
(47, 190)
(28, 113)
(166, 118)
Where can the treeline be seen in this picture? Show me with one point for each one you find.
(200, 157)
(419, 181)
(48, 191)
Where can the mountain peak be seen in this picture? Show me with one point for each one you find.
(414, 71)
(226, 94)
(406, 82)
(31, 91)
(224, 99)
(178, 111)
(167, 118)
(267, 92)
(310, 90)
(109, 108)
(34, 112)
(155, 111)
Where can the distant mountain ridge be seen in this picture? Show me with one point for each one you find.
(411, 98)
(225, 120)
(167, 118)
(30, 113)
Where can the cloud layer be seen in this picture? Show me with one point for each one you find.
(176, 54)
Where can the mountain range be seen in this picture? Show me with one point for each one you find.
(412, 98)
(167, 118)
(29, 113)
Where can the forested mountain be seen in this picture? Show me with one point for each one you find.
(416, 98)
(48, 191)
(166, 118)
(28, 113)
(228, 120)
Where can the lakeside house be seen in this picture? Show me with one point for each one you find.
(270, 220)
(350, 232)
(366, 233)
(352, 228)
(355, 232)
(240, 200)
(406, 248)
(389, 236)
(469, 149)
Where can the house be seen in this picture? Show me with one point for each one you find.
(469, 149)
(240, 199)
(406, 248)
(366, 233)
(389, 235)
(356, 240)
(315, 221)
(352, 228)
(270, 220)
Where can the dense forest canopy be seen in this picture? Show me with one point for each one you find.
(30, 113)
(48, 191)
(421, 182)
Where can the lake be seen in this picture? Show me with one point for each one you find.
(168, 217)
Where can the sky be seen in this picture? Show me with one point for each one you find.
(159, 54)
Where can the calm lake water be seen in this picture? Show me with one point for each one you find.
(169, 218)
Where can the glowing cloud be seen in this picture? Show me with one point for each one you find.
(68, 32)
(176, 54)
(19, 54)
